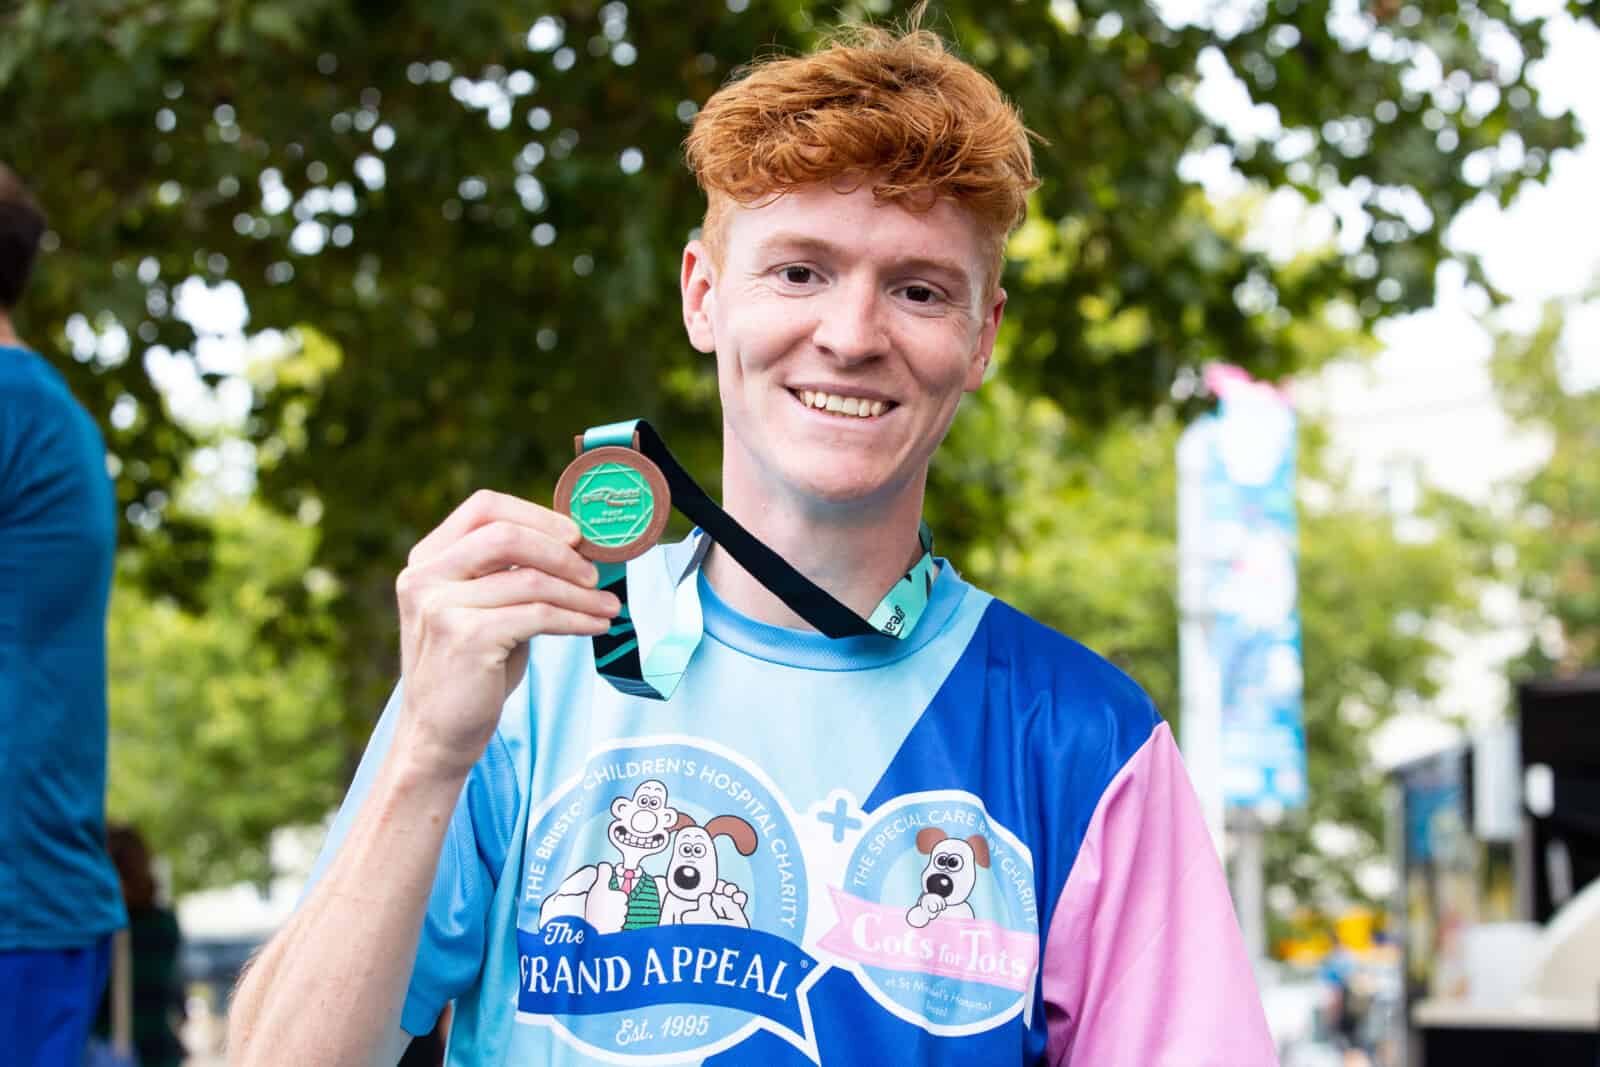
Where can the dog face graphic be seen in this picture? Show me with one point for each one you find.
(695, 889)
(949, 877)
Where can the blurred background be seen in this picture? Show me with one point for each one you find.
(320, 268)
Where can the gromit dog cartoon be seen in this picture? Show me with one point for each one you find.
(692, 890)
(950, 875)
(621, 897)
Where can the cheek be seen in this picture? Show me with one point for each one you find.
(947, 358)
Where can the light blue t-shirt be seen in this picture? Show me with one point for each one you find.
(58, 889)
(818, 851)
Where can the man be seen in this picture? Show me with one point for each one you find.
(847, 283)
(59, 898)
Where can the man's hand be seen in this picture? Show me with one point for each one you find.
(497, 572)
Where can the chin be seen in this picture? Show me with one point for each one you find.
(832, 485)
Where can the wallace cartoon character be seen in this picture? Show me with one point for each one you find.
(949, 877)
(622, 896)
(692, 890)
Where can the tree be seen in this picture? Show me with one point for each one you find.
(217, 737)
(479, 204)
(1554, 533)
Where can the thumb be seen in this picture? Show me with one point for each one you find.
(603, 875)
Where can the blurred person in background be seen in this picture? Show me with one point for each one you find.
(154, 941)
(59, 901)
(506, 843)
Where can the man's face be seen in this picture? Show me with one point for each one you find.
(829, 300)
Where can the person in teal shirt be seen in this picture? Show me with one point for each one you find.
(59, 899)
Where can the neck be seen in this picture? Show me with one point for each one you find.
(8, 336)
(855, 552)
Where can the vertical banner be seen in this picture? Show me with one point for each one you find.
(1240, 634)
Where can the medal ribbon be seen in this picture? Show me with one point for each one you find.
(616, 652)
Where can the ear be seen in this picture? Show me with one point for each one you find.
(928, 838)
(682, 819)
(980, 849)
(735, 829)
(697, 283)
(993, 312)
(618, 806)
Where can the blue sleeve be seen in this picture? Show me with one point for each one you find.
(454, 932)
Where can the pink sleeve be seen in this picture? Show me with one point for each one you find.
(1143, 963)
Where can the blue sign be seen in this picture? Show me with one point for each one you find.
(1249, 590)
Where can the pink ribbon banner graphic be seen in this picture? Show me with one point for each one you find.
(972, 950)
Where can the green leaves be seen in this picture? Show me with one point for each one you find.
(1554, 533)
(220, 735)
(479, 205)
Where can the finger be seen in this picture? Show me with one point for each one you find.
(512, 625)
(527, 585)
(486, 506)
(501, 544)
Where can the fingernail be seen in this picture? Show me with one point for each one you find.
(592, 575)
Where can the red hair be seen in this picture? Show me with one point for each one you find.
(897, 111)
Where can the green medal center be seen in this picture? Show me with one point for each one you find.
(612, 504)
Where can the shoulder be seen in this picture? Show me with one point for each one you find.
(32, 391)
(23, 372)
(1046, 665)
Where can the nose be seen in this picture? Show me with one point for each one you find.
(849, 326)
(686, 878)
(940, 885)
(643, 822)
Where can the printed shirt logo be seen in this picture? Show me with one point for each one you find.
(936, 914)
(672, 905)
(664, 907)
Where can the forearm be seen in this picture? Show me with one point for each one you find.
(329, 987)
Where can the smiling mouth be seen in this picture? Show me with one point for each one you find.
(651, 843)
(842, 405)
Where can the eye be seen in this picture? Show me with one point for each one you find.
(921, 294)
(797, 275)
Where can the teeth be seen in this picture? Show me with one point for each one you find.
(860, 407)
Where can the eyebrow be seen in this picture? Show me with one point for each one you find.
(804, 244)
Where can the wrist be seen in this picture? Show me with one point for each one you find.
(418, 763)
